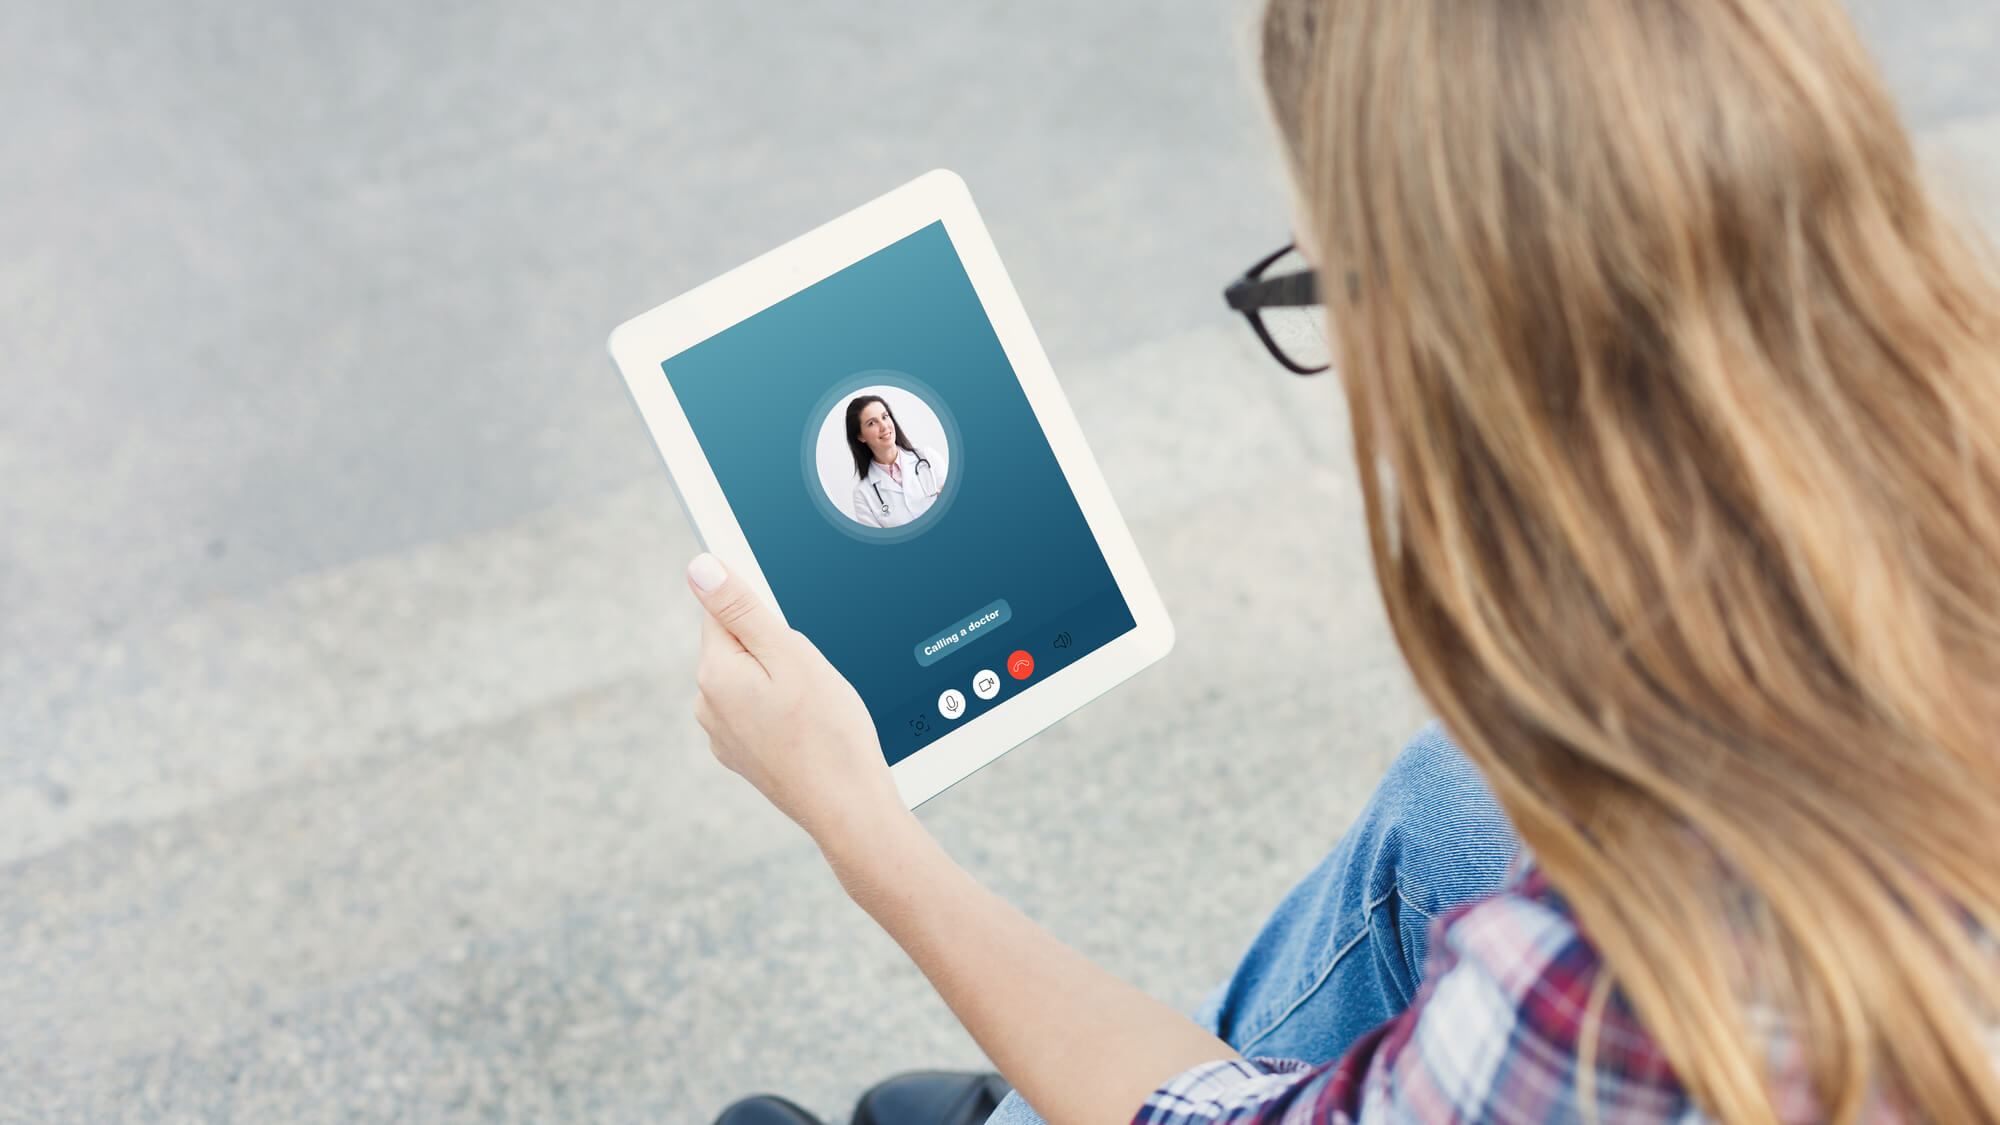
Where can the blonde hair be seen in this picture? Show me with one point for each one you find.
(1677, 409)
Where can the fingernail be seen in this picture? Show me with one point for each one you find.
(706, 572)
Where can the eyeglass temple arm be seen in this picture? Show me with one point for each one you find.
(1290, 290)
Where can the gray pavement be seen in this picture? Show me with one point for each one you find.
(346, 771)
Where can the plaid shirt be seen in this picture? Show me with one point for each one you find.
(1493, 1035)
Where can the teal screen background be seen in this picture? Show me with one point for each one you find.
(1012, 531)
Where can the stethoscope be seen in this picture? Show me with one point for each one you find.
(923, 463)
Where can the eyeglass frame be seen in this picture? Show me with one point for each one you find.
(1253, 292)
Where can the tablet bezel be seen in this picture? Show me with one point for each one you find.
(641, 345)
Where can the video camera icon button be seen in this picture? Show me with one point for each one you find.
(952, 704)
(986, 684)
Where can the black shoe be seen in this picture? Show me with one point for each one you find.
(931, 1097)
(765, 1110)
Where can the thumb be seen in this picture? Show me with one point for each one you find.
(730, 601)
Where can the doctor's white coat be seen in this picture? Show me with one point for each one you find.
(905, 501)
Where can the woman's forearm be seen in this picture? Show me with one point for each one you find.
(1082, 1046)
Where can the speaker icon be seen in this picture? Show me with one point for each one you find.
(1062, 640)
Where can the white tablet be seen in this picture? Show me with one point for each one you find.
(863, 424)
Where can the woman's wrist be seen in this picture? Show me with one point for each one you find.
(871, 851)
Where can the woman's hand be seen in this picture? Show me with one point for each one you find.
(1077, 1043)
(777, 713)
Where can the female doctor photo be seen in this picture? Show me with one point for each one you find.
(895, 480)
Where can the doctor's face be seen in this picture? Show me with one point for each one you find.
(878, 431)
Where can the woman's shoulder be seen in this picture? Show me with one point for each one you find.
(1519, 965)
(1524, 928)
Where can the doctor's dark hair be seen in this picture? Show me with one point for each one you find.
(862, 454)
(1675, 402)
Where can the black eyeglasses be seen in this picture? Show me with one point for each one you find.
(1284, 310)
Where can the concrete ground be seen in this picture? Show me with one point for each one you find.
(346, 767)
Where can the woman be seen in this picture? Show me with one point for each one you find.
(897, 482)
(1676, 405)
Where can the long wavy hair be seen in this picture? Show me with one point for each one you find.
(1676, 402)
(863, 456)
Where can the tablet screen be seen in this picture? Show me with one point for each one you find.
(889, 474)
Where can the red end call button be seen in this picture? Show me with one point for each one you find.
(1020, 665)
